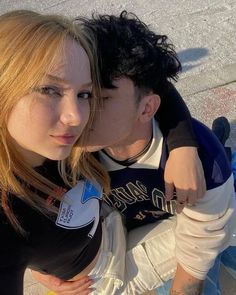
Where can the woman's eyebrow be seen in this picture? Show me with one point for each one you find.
(57, 79)
(89, 84)
(64, 81)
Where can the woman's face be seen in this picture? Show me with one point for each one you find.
(47, 122)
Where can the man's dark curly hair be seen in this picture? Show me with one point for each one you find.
(126, 47)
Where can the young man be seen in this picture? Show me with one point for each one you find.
(136, 71)
(135, 66)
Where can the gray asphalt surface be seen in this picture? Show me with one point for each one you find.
(203, 32)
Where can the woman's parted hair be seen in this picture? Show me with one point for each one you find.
(29, 42)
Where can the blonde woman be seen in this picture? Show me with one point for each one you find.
(47, 88)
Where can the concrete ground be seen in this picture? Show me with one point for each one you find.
(204, 35)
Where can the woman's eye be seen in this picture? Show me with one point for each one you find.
(105, 97)
(48, 90)
(84, 95)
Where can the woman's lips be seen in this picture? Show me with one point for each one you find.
(64, 139)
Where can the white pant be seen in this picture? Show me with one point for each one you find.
(144, 263)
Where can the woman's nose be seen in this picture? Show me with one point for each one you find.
(71, 112)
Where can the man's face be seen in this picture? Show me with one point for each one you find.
(116, 123)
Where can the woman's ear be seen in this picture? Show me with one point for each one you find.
(149, 105)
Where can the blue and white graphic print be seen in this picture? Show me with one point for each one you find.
(80, 207)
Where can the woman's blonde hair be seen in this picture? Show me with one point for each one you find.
(29, 42)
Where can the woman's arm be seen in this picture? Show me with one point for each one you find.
(12, 259)
(11, 280)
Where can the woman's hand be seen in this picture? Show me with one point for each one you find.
(81, 286)
(184, 173)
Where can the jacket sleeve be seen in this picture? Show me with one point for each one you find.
(205, 230)
(175, 120)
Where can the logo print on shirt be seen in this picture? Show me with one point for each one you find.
(90, 191)
(80, 207)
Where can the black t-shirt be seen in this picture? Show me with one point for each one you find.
(61, 244)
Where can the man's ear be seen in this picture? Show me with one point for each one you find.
(148, 106)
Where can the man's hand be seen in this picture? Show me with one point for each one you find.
(184, 172)
(185, 284)
(60, 287)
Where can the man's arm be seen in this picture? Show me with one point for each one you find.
(185, 284)
(81, 286)
(183, 170)
(175, 120)
(204, 230)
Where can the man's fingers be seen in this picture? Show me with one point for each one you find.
(181, 200)
(179, 206)
(54, 281)
(192, 198)
(181, 195)
(81, 286)
(83, 289)
(169, 191)
(202, 189)
(75, 287)
(46, 280)
(200, 183)
(82, 283)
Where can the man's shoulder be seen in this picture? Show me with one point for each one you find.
(213, 157)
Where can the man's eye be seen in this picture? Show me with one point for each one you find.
(84, 95)
(48, 90)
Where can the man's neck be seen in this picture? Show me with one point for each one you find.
(132, 148)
